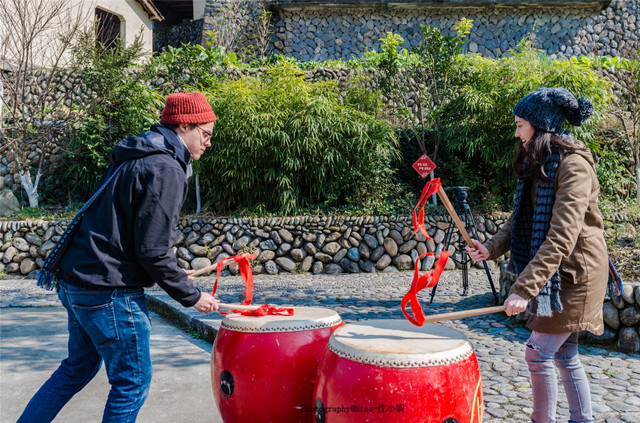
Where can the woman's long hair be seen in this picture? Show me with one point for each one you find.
(528, 163)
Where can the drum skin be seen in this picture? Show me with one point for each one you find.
(267, 377)
(348, 390)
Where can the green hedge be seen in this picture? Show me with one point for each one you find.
(479, 123)
(282, 143)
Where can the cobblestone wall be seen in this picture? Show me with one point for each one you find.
(176, 35)
(320, 30)
(320, 33)
(317, 244)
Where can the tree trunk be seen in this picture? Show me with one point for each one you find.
(198, 203)
(434, 198)
(638, 181)
(30, 187)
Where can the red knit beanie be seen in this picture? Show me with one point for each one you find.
(187, 108)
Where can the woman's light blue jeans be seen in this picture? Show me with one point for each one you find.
(545, 351)
(111, 326)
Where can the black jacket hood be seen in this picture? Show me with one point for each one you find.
(158, 140)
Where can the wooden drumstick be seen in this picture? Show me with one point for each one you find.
(454, 216)
(204, 270)
(462, 314)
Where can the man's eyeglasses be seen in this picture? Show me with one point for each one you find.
(207, 134)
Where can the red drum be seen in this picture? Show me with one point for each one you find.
(393, 371)
(263, 369)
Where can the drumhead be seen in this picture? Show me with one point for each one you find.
(304, 318)
(398, 343)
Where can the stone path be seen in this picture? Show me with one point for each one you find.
(497, 341)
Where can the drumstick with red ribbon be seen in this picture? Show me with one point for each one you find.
(245, 307)
(454, 216)
(430, 279)
(204, 270)
(433, 318)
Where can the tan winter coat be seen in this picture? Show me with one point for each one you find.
(575, 244)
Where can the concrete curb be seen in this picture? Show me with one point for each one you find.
(177, 315)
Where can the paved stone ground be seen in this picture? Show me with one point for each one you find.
(496, 340)
(34, 341)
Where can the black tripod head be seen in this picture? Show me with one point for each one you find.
(461, 196)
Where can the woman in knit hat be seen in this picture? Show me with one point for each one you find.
(119, 243)
(556, 239)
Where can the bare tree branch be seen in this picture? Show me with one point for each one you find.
(35, 60)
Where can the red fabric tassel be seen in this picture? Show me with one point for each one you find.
(419, 283)
(429, 279)
(247, 277)
(265, 310)
(429, 189)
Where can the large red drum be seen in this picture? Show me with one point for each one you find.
(393, 371)
(263, 369)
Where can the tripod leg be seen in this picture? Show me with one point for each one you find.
(465, 279)
(474, 233)
(433, 293)
(465, 273)
(493, 288)
(447, 239)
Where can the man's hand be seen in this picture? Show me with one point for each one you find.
(206, 303)
(515, 304)
(478, 253)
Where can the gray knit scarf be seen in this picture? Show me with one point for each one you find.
(529, 229)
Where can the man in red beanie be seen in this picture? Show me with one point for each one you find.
(120, 243)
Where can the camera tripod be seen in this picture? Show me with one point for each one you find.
(461, 256)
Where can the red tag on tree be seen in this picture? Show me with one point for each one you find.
(424, 166)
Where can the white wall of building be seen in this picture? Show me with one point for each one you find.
(134, 21)
(198, 9)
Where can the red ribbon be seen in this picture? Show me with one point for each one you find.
(265, 310)
(247, 277)
(429, 189)
(429, 279)
(419, 283)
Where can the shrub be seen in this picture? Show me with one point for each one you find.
(282, 143)
(120, 106)
(478, 123)
(188, 68)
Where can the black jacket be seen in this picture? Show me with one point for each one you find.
(126, 236)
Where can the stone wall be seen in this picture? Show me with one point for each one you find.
(176, 35)
(318, 244)
(320, 30)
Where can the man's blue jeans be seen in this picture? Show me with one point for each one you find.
(542, 351)
(111, 326)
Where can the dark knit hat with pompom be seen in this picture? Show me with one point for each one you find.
(547, 109)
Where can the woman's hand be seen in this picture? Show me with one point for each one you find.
(478, 253)
(515, 304)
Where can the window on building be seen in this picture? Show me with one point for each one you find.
(107, 28)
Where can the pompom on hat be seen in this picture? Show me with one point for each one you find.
(186, 108)
(548, 108)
